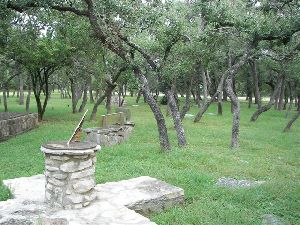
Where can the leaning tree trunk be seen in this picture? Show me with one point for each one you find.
(160, 120)
(205, 86)
(109, 88)
(232, 70)
(236, 113)
(97, 103)
(187, 103)
(291, 122)
(176, 118)
(265, 108)
(84, 98)
(256, 84)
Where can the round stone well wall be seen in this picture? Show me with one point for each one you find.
(70, 174)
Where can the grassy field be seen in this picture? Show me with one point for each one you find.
(265, 154)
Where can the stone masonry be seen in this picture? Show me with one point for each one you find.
(12, 124)
(69, 174)
(112, 135)
(117, 203)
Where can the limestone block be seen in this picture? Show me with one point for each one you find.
(73, 166)
(126, 111)
(53, 221)
(51, 168)
(78, 206)
(75, 198)
(84, 185)
(90, 196)
(60, 158)
(60, 176)
(80, 156)
(55, 182)
(84, 173)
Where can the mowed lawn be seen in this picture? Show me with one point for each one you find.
(265, 154)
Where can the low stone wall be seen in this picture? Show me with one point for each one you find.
(12, 124)
(112, 135)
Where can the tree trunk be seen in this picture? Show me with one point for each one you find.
(249, 100)
(290, 107)
(281, 96)
(91, 95)
(298, 102)
(220, 108)
(160, 120)
(225, 95)
(176, 118)
(256, 83)
(21, 89)
(236, 113)
(138, 96)
(111, 85)
(291, 122)
(28, 99)
(187, 103)
(271, 102)
(4, 97)
(84, 98)
(232, 70)
(37, 87)
(76, 94)
(204, 108)
(108, 102)
(205, 87)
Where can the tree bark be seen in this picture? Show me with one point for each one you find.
(220, 108)
(205, 86)
(111, 85)
(291, 122)
(138, 96)
(187, 103)
(271, 102)
(236, 113)
(256, 83)
(281, 96)
(232, 70)
(108, 102)
(76, 94)
(28, 99)
(4, 97)
(39, 83)
(176, 118)
(291, 100)
(21, 89)
(84, 98)
(160, 120)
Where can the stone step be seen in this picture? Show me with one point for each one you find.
(117, 203)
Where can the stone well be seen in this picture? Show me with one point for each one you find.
(70, 174)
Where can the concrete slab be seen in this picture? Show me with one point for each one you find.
(117, 203)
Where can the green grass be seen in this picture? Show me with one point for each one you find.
(271, 155)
